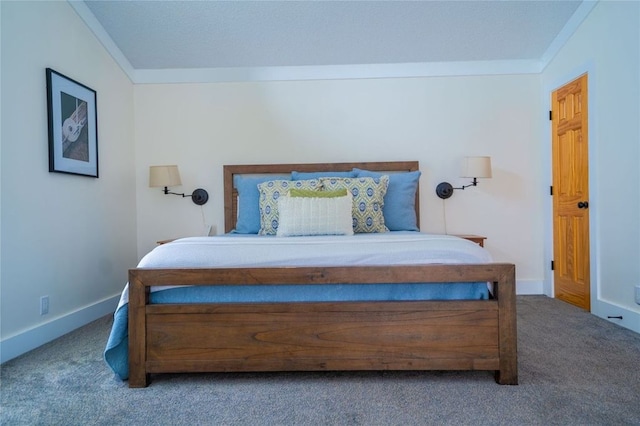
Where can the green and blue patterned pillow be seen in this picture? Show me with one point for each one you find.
(368, 200)
(400, 200)
(248, 220)
(270, 191)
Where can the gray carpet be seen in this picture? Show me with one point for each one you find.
(574, 368)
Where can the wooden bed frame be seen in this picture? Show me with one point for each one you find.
(316, 336)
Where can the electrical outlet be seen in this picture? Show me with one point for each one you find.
(44, 305)
(638, 294)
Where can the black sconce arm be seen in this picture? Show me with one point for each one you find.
(199, 196)
(474, 183)
(444, 190)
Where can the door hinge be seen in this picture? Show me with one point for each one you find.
(551, 190)
(553, 266)
(550, 115)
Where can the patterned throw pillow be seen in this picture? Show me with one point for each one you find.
(248, 220)
(270, 191)
(400, 200)
(368, 200)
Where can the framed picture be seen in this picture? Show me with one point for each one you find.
(73, 126)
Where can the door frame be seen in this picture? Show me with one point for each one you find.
(594, 231)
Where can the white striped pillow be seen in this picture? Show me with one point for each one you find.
(314, 216)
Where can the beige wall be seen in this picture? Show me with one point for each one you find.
(607, 46)
(437, 121)
(71, 238)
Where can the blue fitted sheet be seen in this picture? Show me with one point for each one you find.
(116, 352)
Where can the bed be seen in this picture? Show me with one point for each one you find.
(318, 334)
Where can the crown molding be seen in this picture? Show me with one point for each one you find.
(335, 72)
(567, 31)
(103, 37)
(330, 72)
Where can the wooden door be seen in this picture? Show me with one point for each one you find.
(571, 193)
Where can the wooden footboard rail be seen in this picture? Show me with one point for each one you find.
(311, 336)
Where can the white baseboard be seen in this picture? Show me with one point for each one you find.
(610, 311)
(19, 344)
(524, 287)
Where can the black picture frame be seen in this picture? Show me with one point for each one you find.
(73, 126)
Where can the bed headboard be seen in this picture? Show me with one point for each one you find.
(231, 194)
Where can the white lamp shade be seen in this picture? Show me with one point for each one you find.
(476, 167)
(164, 176)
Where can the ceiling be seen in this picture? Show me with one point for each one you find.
(223, 35)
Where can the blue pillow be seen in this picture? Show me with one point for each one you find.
(248, 221)
(399, 208)
(315, 175)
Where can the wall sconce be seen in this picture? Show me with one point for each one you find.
(472, 167)
(166, 176)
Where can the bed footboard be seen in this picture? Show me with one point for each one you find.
(415, 335)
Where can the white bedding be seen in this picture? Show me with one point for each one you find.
(390, 248)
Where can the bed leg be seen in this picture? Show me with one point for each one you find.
(138, 380)
(138, 299)
(505, 290)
